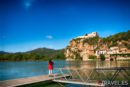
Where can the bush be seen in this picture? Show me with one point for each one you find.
(102, 57)
(92, 57)
(91, 41)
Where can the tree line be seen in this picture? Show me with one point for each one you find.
(33, 55)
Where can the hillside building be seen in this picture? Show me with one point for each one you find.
(93, 34)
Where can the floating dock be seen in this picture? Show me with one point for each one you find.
(96, 84)
(68, 78)
(29, 80)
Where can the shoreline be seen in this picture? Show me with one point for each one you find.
(107, 59)
(31, 60)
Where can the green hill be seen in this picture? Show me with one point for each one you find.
(121, 39)
(36, 54)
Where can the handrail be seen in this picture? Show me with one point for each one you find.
(99, 68)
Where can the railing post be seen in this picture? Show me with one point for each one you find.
(63, 74)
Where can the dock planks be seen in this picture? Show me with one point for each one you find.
(80, 83)
(28, 80)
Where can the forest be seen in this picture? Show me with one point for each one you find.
(36, 54)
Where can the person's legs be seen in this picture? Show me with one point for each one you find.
(49, 72)
(52, 71)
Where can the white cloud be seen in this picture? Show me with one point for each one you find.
(49, 37)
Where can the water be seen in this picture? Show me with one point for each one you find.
(87, 70)
(13, 70)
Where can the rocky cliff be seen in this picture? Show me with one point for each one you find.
(84, 46)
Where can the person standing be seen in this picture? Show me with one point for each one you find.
(50, 67)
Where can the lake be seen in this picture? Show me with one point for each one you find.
(13, 70)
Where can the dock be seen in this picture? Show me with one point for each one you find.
(29, 80)
(67, 75)
(96, 84)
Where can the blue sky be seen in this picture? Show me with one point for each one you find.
(30, 24)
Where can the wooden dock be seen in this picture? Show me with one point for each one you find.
(28, 80)
(95, 84)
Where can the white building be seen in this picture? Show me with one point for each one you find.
(112, 50)
(101, 52)
(93, 34)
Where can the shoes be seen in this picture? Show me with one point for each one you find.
(51, 75)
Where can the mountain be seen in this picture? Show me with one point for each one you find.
(47, 52)
(2, 52)
(36, 54)
(83, 47)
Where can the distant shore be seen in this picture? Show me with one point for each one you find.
(26, 60)
(107, 59)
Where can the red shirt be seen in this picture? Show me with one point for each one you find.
(50, 67)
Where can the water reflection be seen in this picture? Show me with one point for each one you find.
(98, 64)
(86, 71)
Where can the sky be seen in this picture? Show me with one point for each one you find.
(29, 24)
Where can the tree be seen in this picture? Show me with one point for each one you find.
(92, 57)
(102, 57)
(86, 34)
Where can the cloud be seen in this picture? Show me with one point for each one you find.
(49, 37)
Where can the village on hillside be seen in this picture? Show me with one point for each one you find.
(83, 50)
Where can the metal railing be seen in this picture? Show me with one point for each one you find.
(86, 76)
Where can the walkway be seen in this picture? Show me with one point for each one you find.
(29, 80)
